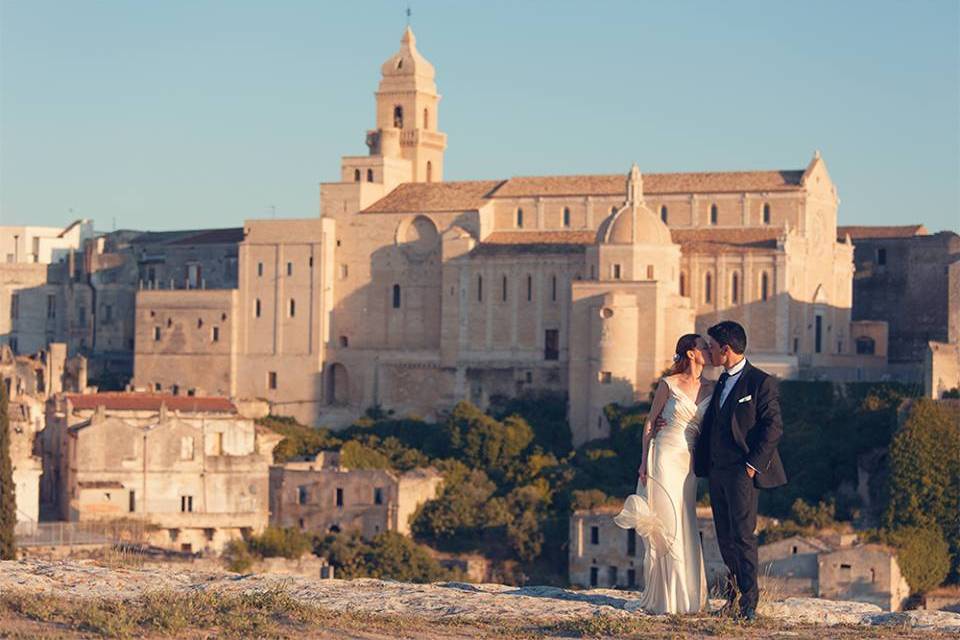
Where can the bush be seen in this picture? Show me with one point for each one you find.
(545, 412)
(284, 542)
(924, 485)
(460, 511)
(299, 440)
(237, 557)
(923, 556)
(483, 442)
(390, 555)
(354, 455)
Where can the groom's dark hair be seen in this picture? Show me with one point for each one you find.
(731, 334)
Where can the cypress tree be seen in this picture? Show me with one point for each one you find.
(8, 500)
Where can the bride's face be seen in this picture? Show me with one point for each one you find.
(701, 354)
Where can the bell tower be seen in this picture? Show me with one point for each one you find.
(407, 113)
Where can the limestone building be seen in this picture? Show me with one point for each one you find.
(411, 292)
(320, 495)
(865, 573)
(192, 467)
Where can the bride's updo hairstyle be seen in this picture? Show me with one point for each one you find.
(681, 363)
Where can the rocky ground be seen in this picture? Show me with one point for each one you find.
(85, 599)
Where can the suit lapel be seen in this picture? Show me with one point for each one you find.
(729, 407)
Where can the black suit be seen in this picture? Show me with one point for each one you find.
(744, 430)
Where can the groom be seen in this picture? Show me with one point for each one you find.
(737, 451)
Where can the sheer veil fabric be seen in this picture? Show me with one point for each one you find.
(664, 512)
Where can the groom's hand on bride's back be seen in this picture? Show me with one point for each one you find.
(658, 424)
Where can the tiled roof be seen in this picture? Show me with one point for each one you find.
(901, 231)
(721, 240)
(150, 402)
(653, 183)
(503, 242)
(416, 197)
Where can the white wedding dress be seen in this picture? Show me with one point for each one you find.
(665, 512)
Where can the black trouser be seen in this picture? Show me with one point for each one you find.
(734, 501)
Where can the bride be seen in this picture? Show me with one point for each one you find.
(664, 509)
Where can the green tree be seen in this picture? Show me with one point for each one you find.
(545, 412)
(481, 441)
(237, 557)
(460, 511)
(285, 542)
(924, 485)
(397, 557)
(354, 455)
(922, 553)
(299, 440)
(8, 498)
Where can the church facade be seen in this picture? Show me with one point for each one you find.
(411, 292)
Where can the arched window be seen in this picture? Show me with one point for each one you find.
(356, 175)
(713, 214)
(398, 117)
(503, 289)
(396, 296)
(566, 216)
(520, 218)
(663, 213)
(764, 286)
(369, 175)
(683, 284)
(429, 171)
(426, 118)
(766, 213)
(708, 289)
(479, 288)
(735, 288)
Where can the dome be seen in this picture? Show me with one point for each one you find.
(650, 229)
(407, 64)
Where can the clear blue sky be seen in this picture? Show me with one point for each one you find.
(176, 114)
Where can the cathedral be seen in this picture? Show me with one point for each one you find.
(411, 292)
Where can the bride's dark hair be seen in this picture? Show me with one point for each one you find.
(687, 342)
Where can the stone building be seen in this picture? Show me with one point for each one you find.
(320, 495)
(906, 277)
(411, 293)
(29, 381)
(865, 573)
(789, 567)
(601, 554)
(191, 467)
(941, 364)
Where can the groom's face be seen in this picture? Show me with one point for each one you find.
(716, 355)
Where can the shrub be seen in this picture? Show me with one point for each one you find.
(237, 557)
(390, 555)
(354, 455)
(545, 412)
(299, 440)
(923, 556)
(284, 542)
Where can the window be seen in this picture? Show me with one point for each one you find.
(156, 334)
(256, 308)
(566, 216)
(631, 542)
(616, 272)
(344, 341)
(551, 344)
(553, 289)
(289, 268)
(429, 171)
(479, 288)
(713, 214)
(881, 256)
(339, 497)
(199, 323)
(594, 573)
(529, 287)
(132, 501)
(649, 272)
(795, 549)
(503, 289)
(606, 377)
(186, 504)
(302, 495)
(683, 284)
(594, 535)
(292, 308)
(708, 289)
(866, 346)
(215, 334)
(186, 448)
(377, 495)
(396, 296)
(612, 576)
(818, 334)
(766, 213)
(271, 379)
(664, 214)
(51, 306)
(426, 118)
(157, 387)
(520, 218)
(796, 344)
(356, 175)
(216, 446)
(369, 175)
(735, 288)
(343, 272)
(259, 269)
(764, 286)
(398, 117)
(15, 306)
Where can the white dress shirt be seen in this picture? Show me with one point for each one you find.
(733, 374)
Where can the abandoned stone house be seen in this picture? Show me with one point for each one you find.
(411, 293)
(319, 495)
(192, 468)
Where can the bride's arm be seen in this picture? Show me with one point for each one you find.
(659, 400)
